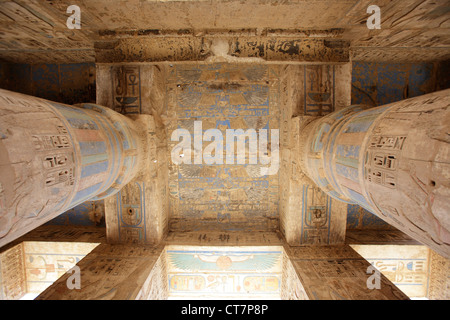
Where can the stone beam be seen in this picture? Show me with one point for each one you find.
(115, 272)
(375, 236)
(223, 48)
(339, 273)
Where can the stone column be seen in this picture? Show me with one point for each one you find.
(54, 157)
(392, 160)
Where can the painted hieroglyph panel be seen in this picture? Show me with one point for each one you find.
(407, 266)
(45, 262)
(221, 272)
(226, 196)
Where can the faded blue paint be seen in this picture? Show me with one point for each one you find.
(347, 172)
(357, 197)
(349, 162)
(93, 158)
(82, 124)
(79, 216)
(317, 143)
(88, 148)
(348, 151)
(47, 79)
(85, 194)
(419, 74)
(360, 124)
(391, 82)
(114, 152)
(125, 142)
(93, 169)
(360, 218)
(382, 83)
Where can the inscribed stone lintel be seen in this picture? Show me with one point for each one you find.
(109, 272)
(337, 273)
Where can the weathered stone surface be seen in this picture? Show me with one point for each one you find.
(13, 283)
(109, 272)
(225, 195)
(338, 273)
(389, 161)
(54, 157)
(139, 212)
(439, 278)
(36, 31)
(307, 214)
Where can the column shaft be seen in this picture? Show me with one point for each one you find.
(54, 157)
(393, 160)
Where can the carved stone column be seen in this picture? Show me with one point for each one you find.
(54, 157)
(393, 160)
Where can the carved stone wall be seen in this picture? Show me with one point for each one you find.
(156, 286)
(291, 287)
(307, 214)
(139, 212)
(13, 283)
(439, 280)
(46, 262)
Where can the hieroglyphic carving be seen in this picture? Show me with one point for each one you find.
(439, 279)
(49, 154)
(225, 196)
(307, 92)
(407, 266)
(47, 261)
(131, 213)
(58, 167)
(127, 89)
(319, 85)
(156, 285)
(63, 233)
(108, 272)
(224, 272)
(291, 287)
(316, 216)
(381, 159)
(375, 236)
(12, 273)
(337, 273)
(224, 238)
